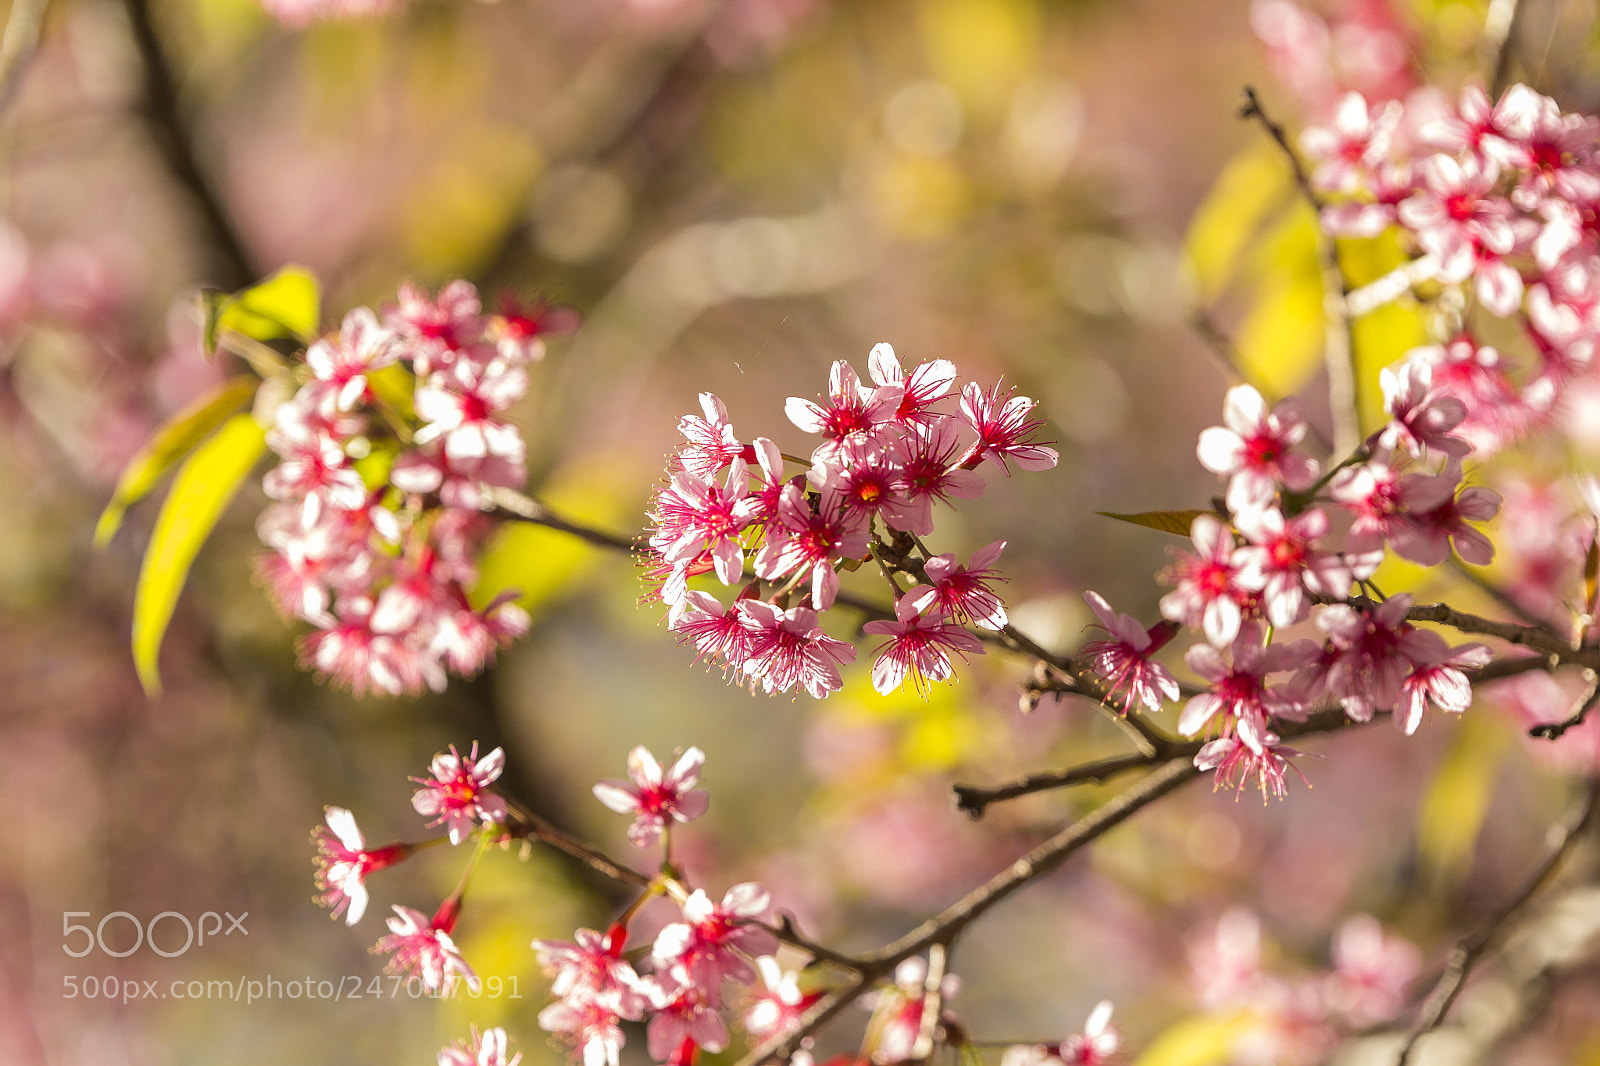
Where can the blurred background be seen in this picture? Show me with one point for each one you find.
(733, 195)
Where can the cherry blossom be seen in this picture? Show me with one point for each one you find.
(420, 946)
(919, 646)
(457, 796)
(1004, 430)
(1124, 662)
(344, 863)
(483, 1049)
(963, 592)
(1256, 449)
(1209, 595)
(655, 796)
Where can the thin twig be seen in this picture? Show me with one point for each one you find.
(1500, 26)
(19, 43)
(1038, 862)
(174, 136)
(524, 507)
(972, 800)
(1339, 343)
(1223, 348)
(1471, 949)
(1557, 730)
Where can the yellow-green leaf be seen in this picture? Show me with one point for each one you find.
(171, 443)
(205, 484)
(1252, 187)
(1201, 1041)
(1176, 522)
(1280, 341)
(1458, 797)
(287, 304)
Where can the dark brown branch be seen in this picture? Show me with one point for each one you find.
(1470, 950)
(1501, 25)
(528, 824)
(972, 800)
(1557, 730)
(950, 922)
(527, 509)
(174, 136)
(1339, 340)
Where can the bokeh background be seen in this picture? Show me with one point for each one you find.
(733, 195)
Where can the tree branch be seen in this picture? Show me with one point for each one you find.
(174, 136)
(1339, 342)
(1470, 950)
(972, 800)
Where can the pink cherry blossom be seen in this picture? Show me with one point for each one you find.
(1124, 662)
(1239, 695)
(433, 330)
(1282, 563)
(787, 648)
(1371, 972)
(344, 863)
(1356, 141)
(420, 946)
(1236, 762)
(591, 967)
(707, 520)
(1208, 596)
(681, 1012)
(930, 471)
(460, 406)
(919, 646)
(963, 592)
(709, 442)
(717, 634)
(1426, 536)
(1256, 449)
(811, 541)
(1439, 678)
(1004, 430)
(1421, 417)
(712, 942)
(775, 1008)
(591, 1025)
(654, 796)
(853, 408)
(483, 1049)
(925, 387)
(1369, 652)
(456, 797)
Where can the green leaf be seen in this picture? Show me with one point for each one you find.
(1281, 339)
(182, 432)
(1253, 187)
(287, 304)
(1176, 522)
(1203, 1041)
(205, 484)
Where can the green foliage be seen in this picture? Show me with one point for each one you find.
(286, 305)
(1202, 1041)
(1457, 800)
(182, 433)
(205, 484)
(1175, 522)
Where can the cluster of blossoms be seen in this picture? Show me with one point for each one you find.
(385, 455)
(889, 452)
(1299, 1021)
(1499, 197)
(456, 795)
(1263, 569)
(681, 991)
